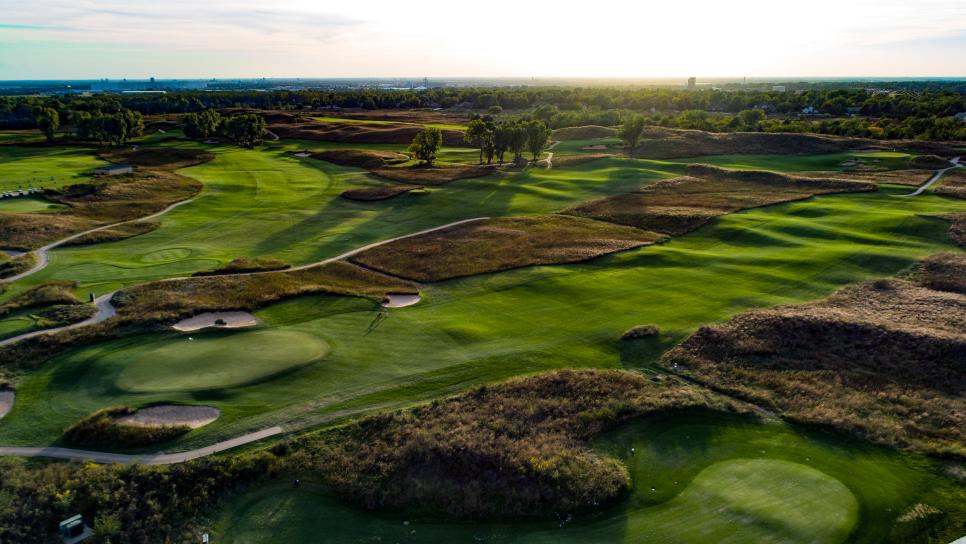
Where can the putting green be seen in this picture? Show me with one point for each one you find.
(28, 204)
(215, 360)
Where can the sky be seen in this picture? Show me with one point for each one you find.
(85, 39)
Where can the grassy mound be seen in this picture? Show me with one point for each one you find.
(515, 449)
(882, 360)
(680, 205)
(945, 272)
(641, 331)
(436, 175)
(383, 192)
(360, 158)
(244, 266)
(55, 292)
(11, 266)
(113, 234)
(933, 162)
(584, 133)
(500, 244)
(101, 430)
(156, 157)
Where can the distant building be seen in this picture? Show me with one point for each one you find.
(961, 116)
(692, 82)
(114, 170)
(778, 88)
(853, 110)
(810, 110)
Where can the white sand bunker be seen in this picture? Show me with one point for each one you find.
(400, 301)
(224, 320)
(6, 402)
(303, 154)
(165, 415)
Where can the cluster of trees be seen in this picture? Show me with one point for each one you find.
(246, 130)
(108, 128)
(494, 139)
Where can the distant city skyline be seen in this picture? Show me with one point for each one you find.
(48, 39)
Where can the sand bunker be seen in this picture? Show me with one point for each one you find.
(303, 154)
(224, 320)
(6, 402)
(594, 147)
(166, 415)
(400, 301)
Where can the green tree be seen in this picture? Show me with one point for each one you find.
(246, 130)
(502, 137)
(47, 120)
(202, 125)
(426, 144)
(750, 120)
(477, 133)
(107, 529)
(519, 138)
(631, 131)
(537, 137)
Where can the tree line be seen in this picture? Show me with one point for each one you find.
(246, 130)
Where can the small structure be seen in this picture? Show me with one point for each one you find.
(961, 116)
(810, 110)
(73, 530)
(692, 82)
(114, 170)
(778, 88)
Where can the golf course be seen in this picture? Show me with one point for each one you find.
(322, 358)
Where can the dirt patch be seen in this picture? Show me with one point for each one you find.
(435, 175)
(882, 360)
(680, 205)
(7, 398)
(400, 301)
(156, 158)
(383, 192)
(360, 158)
(500, 244)
(584, 133)
(221, 320)
(166, 415)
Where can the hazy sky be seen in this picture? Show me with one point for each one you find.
(44, 39)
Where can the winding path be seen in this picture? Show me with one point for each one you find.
(105, 310)
(935, 178)
(40, 254)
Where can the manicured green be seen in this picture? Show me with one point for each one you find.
(213, 360)
(27, 204)
(696, 478)
(22, 167)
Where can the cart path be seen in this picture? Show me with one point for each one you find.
(159, 458)
(105, 310)
(935, 178)
(40, 254)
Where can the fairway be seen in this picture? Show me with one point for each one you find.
(27, 204)
(696, 478)
(22, 167)
(215, 360)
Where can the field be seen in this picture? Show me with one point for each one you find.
(498, 300)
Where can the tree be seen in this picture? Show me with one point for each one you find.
(47, 120)
(426, 144)
(519, 138)
(630, 132)
(202, 125)
(749, 120)
(477, 133)
(537, 137)
(246, 130)
(107, 529)
(502, 137)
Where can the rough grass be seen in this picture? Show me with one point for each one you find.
(641, 331)
(434, 175)
(882, 360)
(383, 192)
(101, 430)
(56, 292)
(113, 234)
(584, 133)
(957, 227)
(91, 205)
(912, 178)
(11, 266)
(945, 272)
(361, 158)
(514, 449)
(499, 244)
(680, 205)
(953, 183)
(351, 132)
(933, 162)
(244, 265)
(156, 157)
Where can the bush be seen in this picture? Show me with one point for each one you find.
(641, 331)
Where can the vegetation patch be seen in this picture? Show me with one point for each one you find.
(113, 234)
(680, 205)
(953, 183)
(286, 126)
(498, 244)
(433, 175)
(881, 360)
(641, 331)
(933, 162)
(63, 314)
(50, 293)
(586, 132)
(912, 178)
(514, 449)
(11, 266)
(576, 160)
(381, 192)
(360, 158)
(945, 272)
(247, 266)
(104, 430)
(156, 157)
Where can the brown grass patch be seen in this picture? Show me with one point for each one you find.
(50, 293)
(953, 183)
(11, 266)
(932, 162)
(574, 160)
(360, 133)
(882, 360)
(912, 178)
(360, 158)
(957, 227)
(433, 175)
(584, 133)
(515, 449)
(113, 234)
(243, 265)
(680, 205)
(945, 272)
(92, 205)
(382, 192)
(498, 244)
(156, 158)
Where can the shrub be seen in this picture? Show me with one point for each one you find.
(641, 331)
